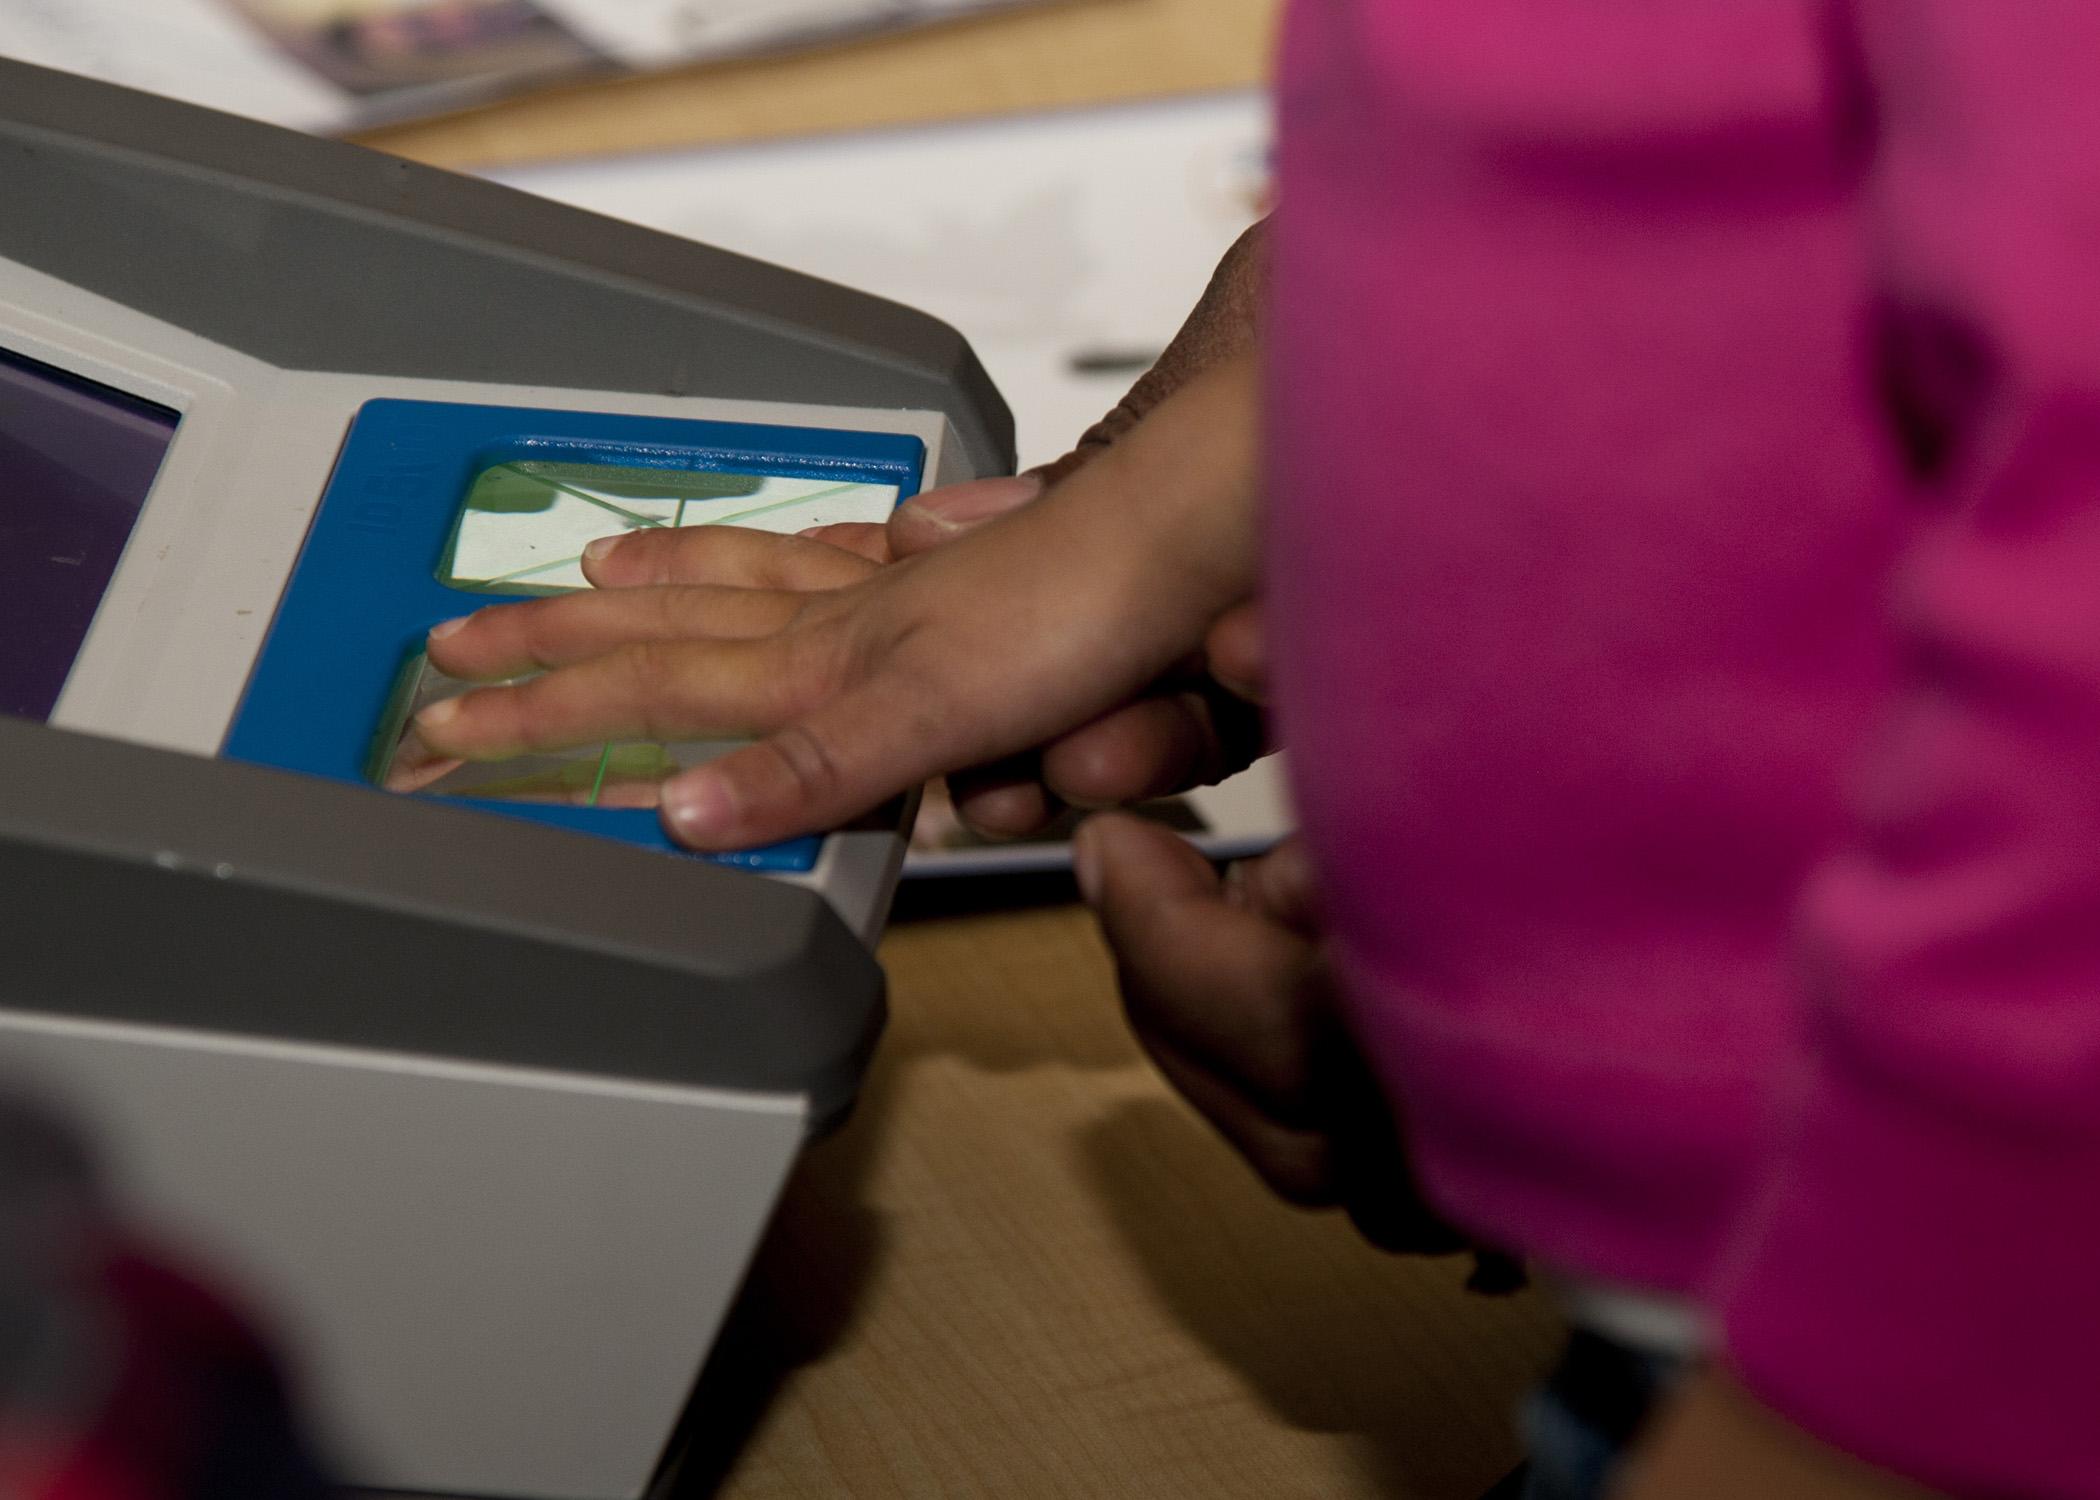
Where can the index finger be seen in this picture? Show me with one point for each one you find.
(731, 556)
(663, 691)
(510, 640)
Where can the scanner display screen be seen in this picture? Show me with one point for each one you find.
(76, 462)
(522, 529)
(525, 523)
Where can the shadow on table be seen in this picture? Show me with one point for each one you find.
(807, 1291)
(976, 895)
(803, 1298)
(1393, 1353)
(1422, 1386)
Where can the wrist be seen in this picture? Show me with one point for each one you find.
(1715, 1441)
(1172, 510)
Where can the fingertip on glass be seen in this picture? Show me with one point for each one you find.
(700, 807)
(438, 714)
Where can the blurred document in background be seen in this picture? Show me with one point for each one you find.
(333, 65)
(1067, 247)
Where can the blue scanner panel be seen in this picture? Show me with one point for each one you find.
(366, 590)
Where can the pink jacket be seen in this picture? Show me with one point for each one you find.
(1686, 545)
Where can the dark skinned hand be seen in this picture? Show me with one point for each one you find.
(1228, 991)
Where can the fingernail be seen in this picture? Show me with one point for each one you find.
(411, 755)
(439, 714)
(448, 628)
(601, 549)
(932, 518)
(1086, 864)
(416, 765)
(700, 806)
(966, 505)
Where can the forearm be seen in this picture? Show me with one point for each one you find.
(1173, 503)
(1225, 325)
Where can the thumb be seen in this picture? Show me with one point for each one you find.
(1125, 865)
(1237, 652)
(821, 772)
(1279, 885)
(942, 515)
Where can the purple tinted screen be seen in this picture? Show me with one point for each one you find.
(76, 461)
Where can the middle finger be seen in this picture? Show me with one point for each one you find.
(662, 691)
(730, 556)
(510, 640)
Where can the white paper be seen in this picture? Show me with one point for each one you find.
(193, 50)
(1052, 241)
(657, 33)
(335, 64)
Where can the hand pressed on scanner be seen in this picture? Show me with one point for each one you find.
(860, 684)
(1192, 727)
(1196, 725)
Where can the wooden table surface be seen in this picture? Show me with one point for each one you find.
(1025, 1269)
(1075, 52)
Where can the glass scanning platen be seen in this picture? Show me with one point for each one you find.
(630, 774)
(526, 522)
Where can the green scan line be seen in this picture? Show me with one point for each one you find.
(641, 521)
(837, 489)
(604, 765)
(635, 518)
(588, 498)
(545, 567)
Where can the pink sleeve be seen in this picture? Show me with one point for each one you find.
(1917, 1282)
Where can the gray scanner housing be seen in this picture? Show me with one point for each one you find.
(316, 255)
(484, 1119)
(160, 889)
